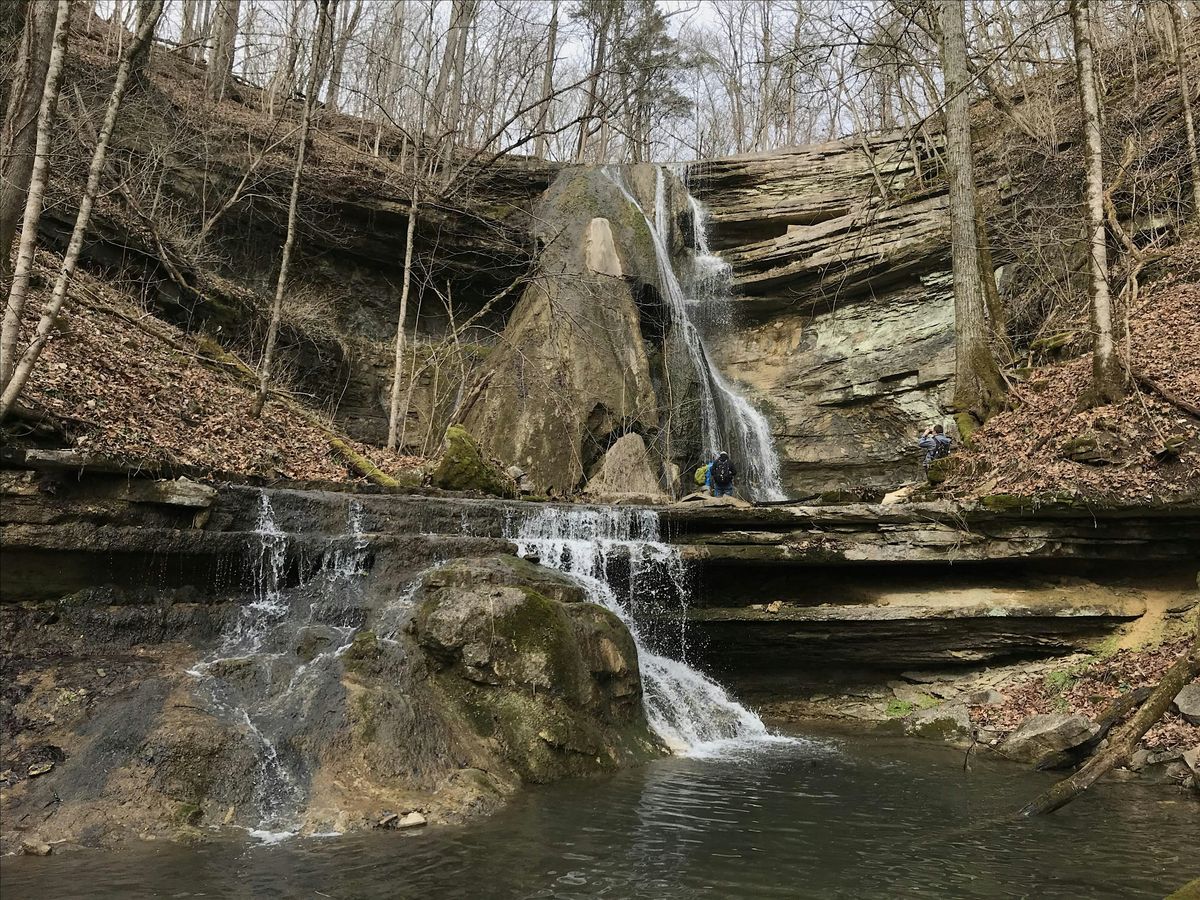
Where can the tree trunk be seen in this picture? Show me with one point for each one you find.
(1108, 382)
(547, 83)
(19, 289)
(978, 388)
(187, 33)
(321, 41)
(1121, 747)
(349, 26)
(220, 64)
(150, 11)
(1185, 91)
(18, 134)
(598, 63)
(398, 371)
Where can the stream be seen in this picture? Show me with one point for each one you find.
(820, 816)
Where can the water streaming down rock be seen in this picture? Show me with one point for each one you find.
(618, 555)
(267, 676)
(728, 421)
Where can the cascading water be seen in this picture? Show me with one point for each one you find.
(603, 547)
(728, 421)
(258, 681)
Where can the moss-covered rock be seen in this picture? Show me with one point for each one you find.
(463, 467)
(547, 679)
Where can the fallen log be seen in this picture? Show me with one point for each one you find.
(1121, 747)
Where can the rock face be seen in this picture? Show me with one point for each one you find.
(549, 679)
(570, 374)
(1043, 737)
(626, 472)
(847, 330)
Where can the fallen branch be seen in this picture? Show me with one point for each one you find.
(1170, 396)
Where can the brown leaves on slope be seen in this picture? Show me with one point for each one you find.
(123, 393)
(1025, 450)
(1089, 690)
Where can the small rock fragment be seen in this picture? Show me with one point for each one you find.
(40, 769)
(35, 847)
(388, 821)
(411, 820)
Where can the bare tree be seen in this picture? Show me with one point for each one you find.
(1185, 92)
(220, 63)
(978, 387)
(18, 134)
(547, 81)
(149, 12)
(394, 416)
(18, 291)
(1108, 382)
(351, 13)
(320, 53)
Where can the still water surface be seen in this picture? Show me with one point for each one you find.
(823, 817)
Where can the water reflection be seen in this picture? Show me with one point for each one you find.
(823, 818)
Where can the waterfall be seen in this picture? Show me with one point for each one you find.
(617, 555)
(727, 420)
(258, 682)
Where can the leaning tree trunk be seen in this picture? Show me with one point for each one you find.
(18, 291)
(1185, 91)
(1121, 747)
(978, 387)
(315, 76)
(1108, 381)
(398, 371)
(18, 134)
(150, 11)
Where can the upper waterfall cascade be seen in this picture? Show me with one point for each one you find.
(728, 421)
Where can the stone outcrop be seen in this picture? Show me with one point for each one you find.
(840, 254)
(626, 473)
(570, 374)
(463, 467)
(531, 667)
(1045, 736)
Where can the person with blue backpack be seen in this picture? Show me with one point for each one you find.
(935, 443)
(721, 474)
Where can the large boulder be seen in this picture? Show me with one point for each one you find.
(626, 472)
(547, 679)
(1042, 738)
(463, 467)
(1187, 702)
(571, 372)
(945, 722)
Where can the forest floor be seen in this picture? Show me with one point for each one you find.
(120, 383)
(1145, 449)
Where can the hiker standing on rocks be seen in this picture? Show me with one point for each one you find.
(935, 444)
(721, 474)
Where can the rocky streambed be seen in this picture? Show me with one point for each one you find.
(180, 656)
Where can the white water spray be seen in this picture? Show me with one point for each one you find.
(727, 420)
(690, 712)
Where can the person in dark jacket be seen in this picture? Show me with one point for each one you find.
(935, 444)
(721, 475)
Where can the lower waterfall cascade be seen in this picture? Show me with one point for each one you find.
(689, 711)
